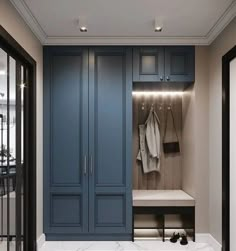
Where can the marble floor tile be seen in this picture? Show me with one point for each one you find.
(123, 246)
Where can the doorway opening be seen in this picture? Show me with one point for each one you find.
(17, 147)
(228, 148)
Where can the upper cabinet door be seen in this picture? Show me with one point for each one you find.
(110, 134)
(65, 140)
(179, 64)
(148, 64)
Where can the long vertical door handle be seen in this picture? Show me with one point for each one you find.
(85, 164)
(91, 165)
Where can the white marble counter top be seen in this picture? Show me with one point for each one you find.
(124, 246)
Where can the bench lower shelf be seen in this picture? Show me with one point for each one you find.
(161, 212)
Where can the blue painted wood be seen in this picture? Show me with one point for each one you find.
(69, 98)
(148, 64)
(180, 64)
(65, 139)
(164, 64)
(110, 125)
(61, 204)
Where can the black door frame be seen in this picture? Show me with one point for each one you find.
(226, 59)
(15, 50)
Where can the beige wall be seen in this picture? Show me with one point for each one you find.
(14, 24)
(195, 141)
(201, 140)
(224, 42)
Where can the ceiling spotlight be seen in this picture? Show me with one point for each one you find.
(158, 24)
(158, 29)
(80, 23)
(83, 29)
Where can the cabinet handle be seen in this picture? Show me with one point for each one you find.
(85, 164)
(91, 165)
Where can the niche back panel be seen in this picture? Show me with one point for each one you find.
(170, 173)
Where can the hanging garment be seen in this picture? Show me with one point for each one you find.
(150, 143)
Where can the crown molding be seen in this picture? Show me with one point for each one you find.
(222, 22)
(30, 20)
(125, 41)
(217, 28)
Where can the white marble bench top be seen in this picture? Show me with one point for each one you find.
(162, 198)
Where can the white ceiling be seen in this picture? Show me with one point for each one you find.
(127, 21)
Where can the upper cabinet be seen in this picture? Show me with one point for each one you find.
(180, 64)
(148, 64)
(164, 64)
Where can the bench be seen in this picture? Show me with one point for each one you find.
(164, 202)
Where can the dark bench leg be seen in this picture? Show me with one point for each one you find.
(163, 222)
(133, 225)
(194, 230)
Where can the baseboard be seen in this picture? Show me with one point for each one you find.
(88, 237)
(41, 240)
(208, 238)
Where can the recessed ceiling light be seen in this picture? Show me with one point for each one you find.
(2, 72)
(158, 24)
(158, 29)
(83, 29)
(81, 24)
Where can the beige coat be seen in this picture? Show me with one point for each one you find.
(150, 143)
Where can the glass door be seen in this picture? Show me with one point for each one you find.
(13, 77)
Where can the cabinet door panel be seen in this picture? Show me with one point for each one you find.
(109, 120)
(179, 64)
(148, 64)
(110, 139)
(66, 98)
(66, 140)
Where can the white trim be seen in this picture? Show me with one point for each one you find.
(40, 242)
(223, 21)
(30, 20)
(125, 41)
(209, 239)
(217, 28)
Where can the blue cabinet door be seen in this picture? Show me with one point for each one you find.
(179, 64)
(110, 134)
(65, 140)
(148, 64)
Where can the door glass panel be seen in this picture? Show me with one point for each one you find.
(12, 79)
(11, 125)
(24, 80)
(3, 151)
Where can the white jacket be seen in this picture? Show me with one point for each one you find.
(150, 143)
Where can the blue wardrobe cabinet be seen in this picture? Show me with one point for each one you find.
(148, 64)
(110, 136)
(87, 143)
(180, 64)
(65, 140)
(164, 64)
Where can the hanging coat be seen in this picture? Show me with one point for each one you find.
(150, 143)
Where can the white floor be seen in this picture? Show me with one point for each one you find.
(123, 246)
(3, 246)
